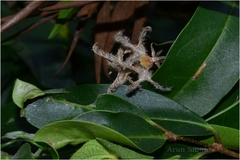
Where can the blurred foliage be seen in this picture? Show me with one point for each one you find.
(58, 54)
(35, 58)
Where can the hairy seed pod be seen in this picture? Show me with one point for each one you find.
(146, 61)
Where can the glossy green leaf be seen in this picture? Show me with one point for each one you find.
(47, 110)
(23, 91)
(63, 17)
(24, 152)
(122, 152)
(145, 104)
(136, 129)
(165, 112)
(93, 150)
(212, 38)
(59, 134)
(228, 136)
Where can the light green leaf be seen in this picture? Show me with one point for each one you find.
(122, 152)
(64, 16)
(59, 134)
(18, 134)
(5, 155)
(228, 136)
(93, 150)
(209, 47)
(23, 91)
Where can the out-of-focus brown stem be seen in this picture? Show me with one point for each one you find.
(21, 14)
(85, 11)
(31, 27)
(67, 5)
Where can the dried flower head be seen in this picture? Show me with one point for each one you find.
(137, 61)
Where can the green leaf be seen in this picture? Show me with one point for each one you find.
(211, 37)
(122, 152)
(166, 112)
(228, 136)
(59, 134)
(226, 112)
(145, 104)
(64, 16)
(47, 110)
(18, 134)
(179, 150)
(11, 121)
(23, 91)
(147, 137)
(49, 148)
(26, 137)
(24, 152)
(5, 155)
(93, 150)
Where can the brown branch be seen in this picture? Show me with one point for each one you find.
(73, 45)
(21, 14)
(103, 16)
(31, 27)
(215, 147)
(85, 11)
(140, 18)
(67, 5)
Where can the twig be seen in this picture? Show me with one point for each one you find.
(31, 27)
(67, 5)
(21, 14)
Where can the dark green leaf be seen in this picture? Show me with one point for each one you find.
(136, 129)
(93, 150)
(211, 37)
(122, 152)
(24, 152)
(145, 104)
(47, 110)
(11, 120)
(226, 112)
(49, 148)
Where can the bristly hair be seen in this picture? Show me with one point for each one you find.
(137, 61)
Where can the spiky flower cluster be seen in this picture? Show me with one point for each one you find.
(137, 61)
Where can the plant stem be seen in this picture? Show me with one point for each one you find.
(215, 147)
